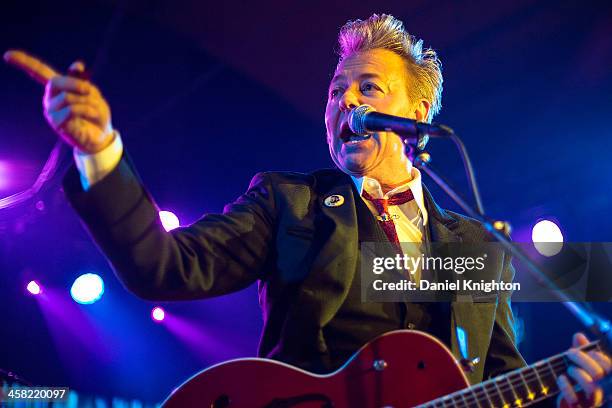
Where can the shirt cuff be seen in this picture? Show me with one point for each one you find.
(93, 167)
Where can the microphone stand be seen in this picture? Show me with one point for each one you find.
(596, 324)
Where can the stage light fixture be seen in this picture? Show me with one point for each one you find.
(169, 220)
(158, 314)
(34, 288)
(87, 288)
(547, 238)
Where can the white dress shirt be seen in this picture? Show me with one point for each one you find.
(410, 218)
(93, 167)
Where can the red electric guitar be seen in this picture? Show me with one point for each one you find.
(398, 369)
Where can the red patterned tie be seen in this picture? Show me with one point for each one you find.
(384, 218)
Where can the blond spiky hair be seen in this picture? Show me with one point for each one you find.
(386, 32)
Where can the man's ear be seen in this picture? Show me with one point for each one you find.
(421, 110)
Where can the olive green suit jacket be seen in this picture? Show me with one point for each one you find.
(302, 253)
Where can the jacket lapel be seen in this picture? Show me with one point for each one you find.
(442, 225)
(331, 268)
(334, 267)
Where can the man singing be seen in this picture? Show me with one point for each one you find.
(297, 234)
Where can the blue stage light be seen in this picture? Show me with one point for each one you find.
(87, 288)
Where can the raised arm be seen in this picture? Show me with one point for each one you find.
(218, 254)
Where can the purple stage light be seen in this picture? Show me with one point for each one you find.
(34, 288)
(169, 220)
(201, 340)
(78, 336)
(158, 314)
(16, 175)
(547, 237)
(5, 175)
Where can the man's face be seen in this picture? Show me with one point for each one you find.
(378, 78)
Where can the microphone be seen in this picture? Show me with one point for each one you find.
(364, 120)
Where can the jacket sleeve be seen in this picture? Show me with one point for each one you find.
(218, 254)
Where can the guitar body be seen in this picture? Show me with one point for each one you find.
(398, 369)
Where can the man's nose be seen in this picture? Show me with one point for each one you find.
(348, 101)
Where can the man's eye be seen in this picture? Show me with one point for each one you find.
(369, 87)
(335, 92)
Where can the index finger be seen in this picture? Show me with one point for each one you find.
(32, 66)
(579, 339)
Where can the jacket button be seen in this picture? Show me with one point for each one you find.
(411, 326)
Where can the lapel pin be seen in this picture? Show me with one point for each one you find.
(334, 200)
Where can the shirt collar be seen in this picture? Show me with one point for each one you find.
(373, 187)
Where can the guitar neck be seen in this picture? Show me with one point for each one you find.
(518, 388)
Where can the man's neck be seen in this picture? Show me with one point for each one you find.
(388, 187)
(390, 180)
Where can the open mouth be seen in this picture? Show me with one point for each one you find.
(347, 136)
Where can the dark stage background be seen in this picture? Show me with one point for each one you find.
(207, 94)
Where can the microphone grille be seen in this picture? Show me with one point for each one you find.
(356, 119)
